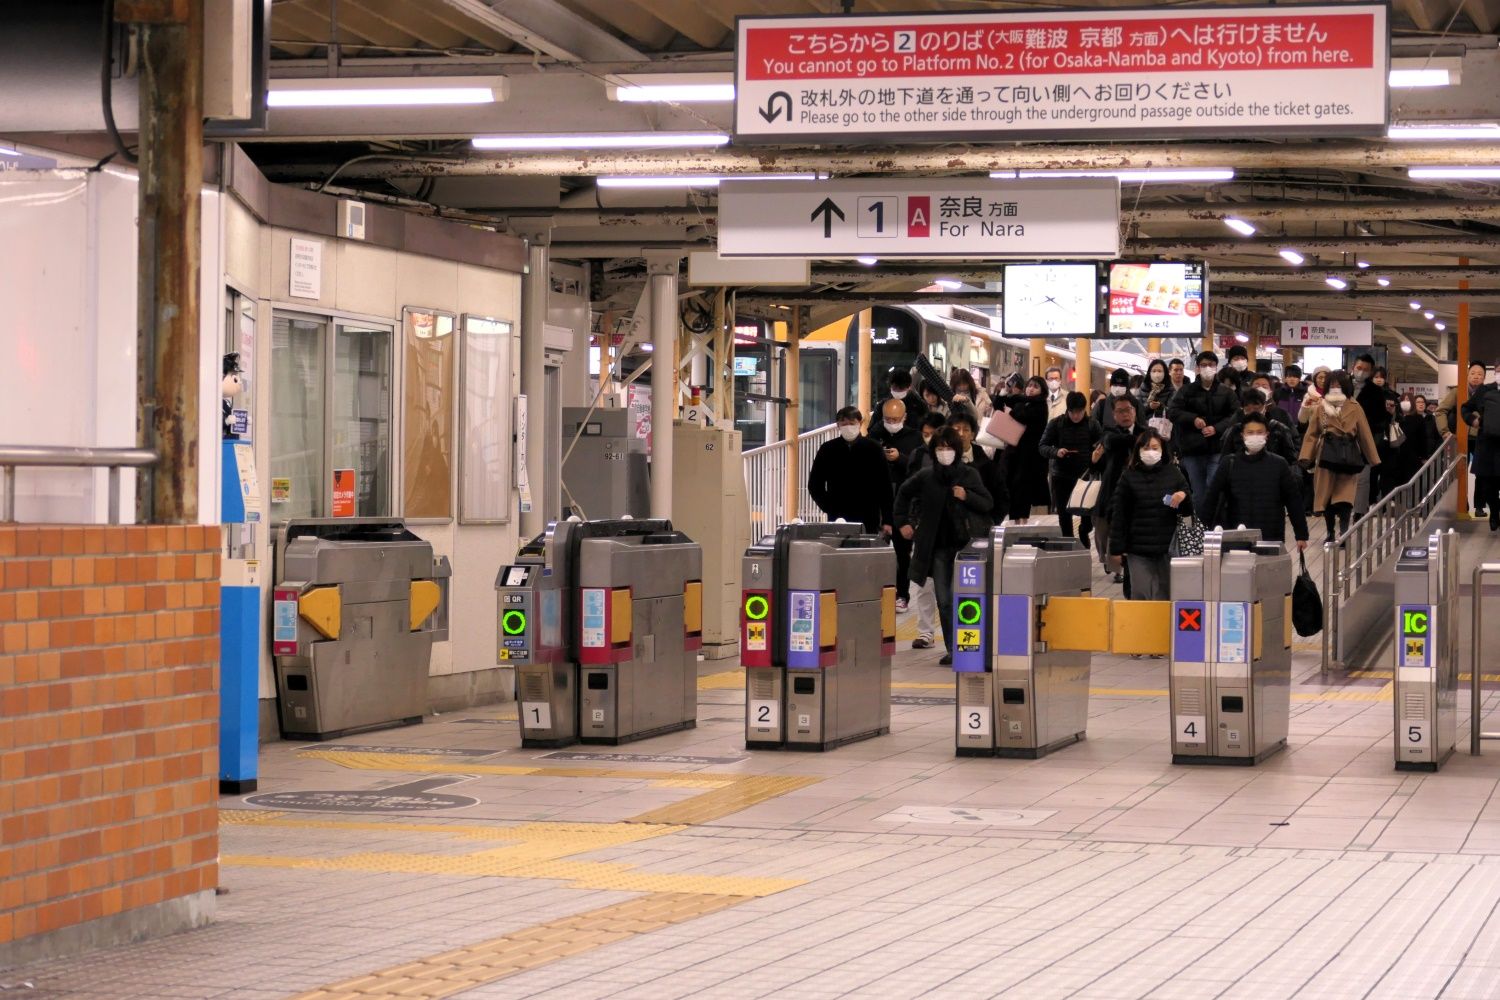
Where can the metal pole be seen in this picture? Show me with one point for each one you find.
(866, 380)
(534, 290)
(9, 515)
(793, 414)
(114, 494)
(171, 176)
(1462, 429)
(663, 381)
(1085, 368)
(1476, 692)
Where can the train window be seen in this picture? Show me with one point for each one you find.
(819, 383)
(430, 398)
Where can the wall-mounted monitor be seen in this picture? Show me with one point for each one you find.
(1157, 298)
(1051, 300)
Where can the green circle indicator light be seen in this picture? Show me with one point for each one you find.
(757, 607)
(513, 622)
(969, 612)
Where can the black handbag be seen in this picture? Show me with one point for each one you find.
(1341, 453)
(1307, 603)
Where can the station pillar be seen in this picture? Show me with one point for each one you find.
(1084, 366)
(535, 287)
(662, 271)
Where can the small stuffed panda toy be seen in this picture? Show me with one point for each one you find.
(229, 388)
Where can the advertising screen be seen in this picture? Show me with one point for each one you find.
(1157, 299)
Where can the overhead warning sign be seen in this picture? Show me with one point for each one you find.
(1070, 217)
(1052, 74)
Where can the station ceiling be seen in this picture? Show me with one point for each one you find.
(1338, 201)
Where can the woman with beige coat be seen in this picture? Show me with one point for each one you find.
(1312, 399)
(1336, 417)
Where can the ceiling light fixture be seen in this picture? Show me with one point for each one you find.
(386, 92)
(1163, 175)
(612, 140)
(1426, 71)
(1415, 304)
(1240, 226)
(694, 180)
(1243, 338)
(1453, 173)
(1429, 314)
(1405, 348)
(675, 88)
(1362, 264)
(949, 284)
(1291, 256)
(1383, 282)
(1336, 282)
(867, 261)
(1473, 130)
(1440, 326)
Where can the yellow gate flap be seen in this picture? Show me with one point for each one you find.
(1258, 625)
(621, 622)
(692, 607)
(888, 612)
(1076, 623)
(828, 613)
(1142, 628)
(425, 596)
(323, 609)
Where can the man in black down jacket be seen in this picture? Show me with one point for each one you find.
(898, 441)
(1069, 442)
(1113, 454)
(1282, 441)
(1256, 489)
(848, 478)
(1201, 413)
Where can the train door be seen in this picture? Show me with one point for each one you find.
(820, 397)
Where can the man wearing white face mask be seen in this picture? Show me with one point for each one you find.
(1057, 396)
(1202, 413)
(1257, 489)
(848, 478)
(898, 443)
(902, 392)
(1119, 388)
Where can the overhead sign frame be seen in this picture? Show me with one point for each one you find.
(1338, 53)
(1327, 333)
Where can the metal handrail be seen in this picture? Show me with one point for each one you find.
(765, 481)
(16, 456)
(1476, 685)
(1358, 554)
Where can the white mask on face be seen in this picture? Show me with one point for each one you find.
(1054, 384)
(1254, 443)
(1335, 396)
(1157, 376)
(899, 393)
(1117, 390)
(1150, 456)
(848, 431)
(893, 426)
(1264, 392)
(1406, 406)
(945, 456)
(1239, 364)
(1207, 372)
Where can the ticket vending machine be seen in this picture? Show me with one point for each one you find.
(1426, 653)
(239, 621)
(1230, 676)
(817, 632)
(1014, 695)
(603, 620)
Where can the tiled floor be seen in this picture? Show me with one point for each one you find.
(890, 869)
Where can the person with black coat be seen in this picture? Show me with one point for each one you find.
(1282, 441)
(1484, 406)
(1256, 489)
(1201, 413)
(1155, 392)
(1420, 436)
(848, 478)
(1025, 469)
(1151, 495)
(901, 391)
(938, 510)
(1119, 388)
(1110, 459)
(1069, 443)
(898, 442)
(1379, 403)
(966, 424)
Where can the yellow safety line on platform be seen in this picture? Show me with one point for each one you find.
(724, 680)
(463, 969)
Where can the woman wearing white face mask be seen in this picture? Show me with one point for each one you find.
(1337, 447)
(938, 510)
(1151, 495)
(1256, 489)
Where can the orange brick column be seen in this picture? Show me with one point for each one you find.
(108, 734)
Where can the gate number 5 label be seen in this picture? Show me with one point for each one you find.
(1191, 729)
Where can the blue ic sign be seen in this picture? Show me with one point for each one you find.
(968, 574)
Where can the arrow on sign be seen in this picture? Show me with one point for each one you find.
(828, 209)
(777, 103)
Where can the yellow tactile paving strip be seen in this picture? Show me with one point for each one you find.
(454, 972)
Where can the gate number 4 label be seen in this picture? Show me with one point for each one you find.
(1191, 729)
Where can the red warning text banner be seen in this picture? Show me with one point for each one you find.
(1091, 74)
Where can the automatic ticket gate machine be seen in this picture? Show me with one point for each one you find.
(1426, 651)
(603, 621)
(817, 632)
(1230, 675)
(1017, 696)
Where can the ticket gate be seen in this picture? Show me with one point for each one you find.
(1016, 696)
(1231, 670)
(817, 632)
(1426, 651)
(603, 620)
(358, 604)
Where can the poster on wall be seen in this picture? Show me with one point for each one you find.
(306, 269)
(639, 403)
(343, 492)
(1157, 298)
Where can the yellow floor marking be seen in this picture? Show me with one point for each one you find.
(1128, 692)
(727, 679)
(249, 816)
(463, 969)
(924, 685)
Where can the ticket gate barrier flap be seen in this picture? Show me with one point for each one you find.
(1141, 628)
(1426, 654)
(1075, 624)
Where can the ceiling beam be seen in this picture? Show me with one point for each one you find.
(929, 161)
(836, 274)
(1484, 13)
(1456, 245)
(546, 27)
(1417, 349)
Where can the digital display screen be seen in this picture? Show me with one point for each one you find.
(1051, 300)
(517, 576)
(746, 366)
(1157, 298)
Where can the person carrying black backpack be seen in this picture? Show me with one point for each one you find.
(1484, 406)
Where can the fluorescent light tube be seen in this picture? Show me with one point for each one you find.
(1162, 175)
(949, 284)
(1430, 77)
(1240, 226)
(1473, 130)
(676, 88)
(614, 140)
(694, 180)
(385, 92)
(1454, 173)
(1291, 256)
(1334, 282)
(1383, 282)
(867, 261)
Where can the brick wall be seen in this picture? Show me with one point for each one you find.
(108, 729)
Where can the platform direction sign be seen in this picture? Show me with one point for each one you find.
(1189, 71)
(1068, 217)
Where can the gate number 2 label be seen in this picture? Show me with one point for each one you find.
(764, 714)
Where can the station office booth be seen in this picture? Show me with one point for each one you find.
(396, 356)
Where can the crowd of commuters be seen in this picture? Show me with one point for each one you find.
(1187, 443)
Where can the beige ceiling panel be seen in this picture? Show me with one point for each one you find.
(707, 24)
(639, 27)
(393, 19)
